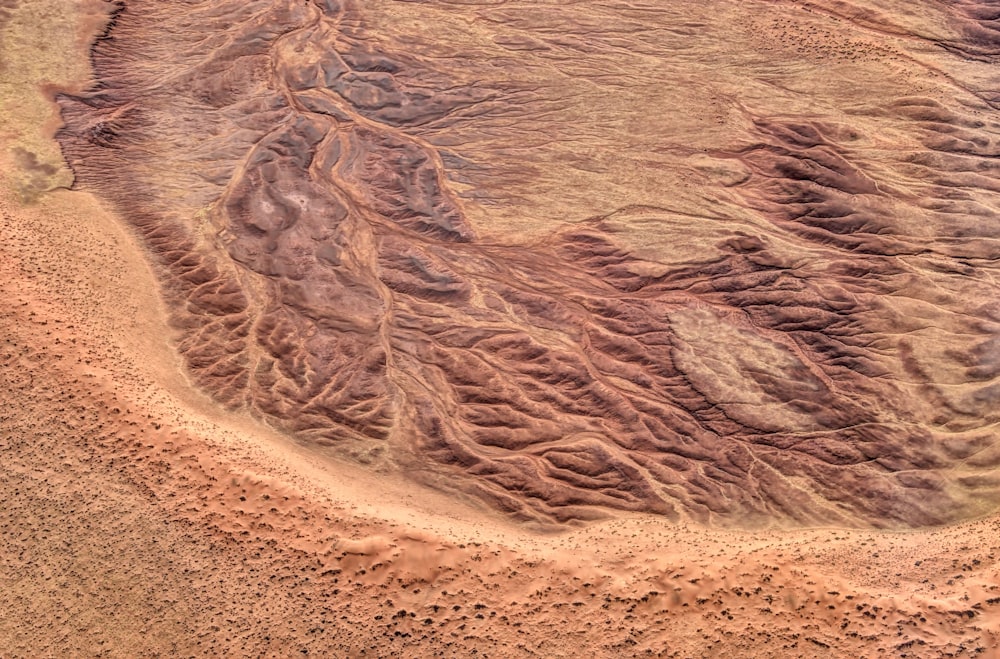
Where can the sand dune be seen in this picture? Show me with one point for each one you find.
(437, 329)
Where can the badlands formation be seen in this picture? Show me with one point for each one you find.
(487, 328)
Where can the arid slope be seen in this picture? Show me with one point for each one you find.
(731, 262)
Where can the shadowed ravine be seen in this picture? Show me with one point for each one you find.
(809, 336)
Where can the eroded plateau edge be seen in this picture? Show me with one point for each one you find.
(836, 364)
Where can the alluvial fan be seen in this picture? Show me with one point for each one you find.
(728, 261)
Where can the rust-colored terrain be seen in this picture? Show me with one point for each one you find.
(814, 341)
(443, 328)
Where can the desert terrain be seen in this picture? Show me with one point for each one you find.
(499, 329)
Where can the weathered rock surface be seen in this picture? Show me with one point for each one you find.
(796, 321)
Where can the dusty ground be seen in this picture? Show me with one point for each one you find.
(142, 518)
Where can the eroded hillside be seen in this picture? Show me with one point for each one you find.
(727, 261)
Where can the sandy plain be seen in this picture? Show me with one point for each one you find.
(143, 517)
